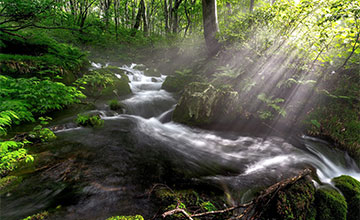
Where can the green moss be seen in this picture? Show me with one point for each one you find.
(137, 217)
(347, 185)
(330, 204)
(8, 183)
(115, 105)
(178, 81)
(294, 202)
(152, 72)
(202, 104)
(350, 188)
(120, 86)
(38, 216)
(341, 124)
(104, 83)
(89, 120)
(354, 208)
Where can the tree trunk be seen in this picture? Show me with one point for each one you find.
(228, 6)
(252, 5)
(166, 14)
(138, 17)
(106, 10)
(187, 18)
(211, 27)
(116, 16)
(145, 24)
(175, 16)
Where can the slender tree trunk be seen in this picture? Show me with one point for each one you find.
(166, 15)
(170, 6)
(228, 6)
(187, 18)
(211, 27)
(139, 16)
(116, 16)
(105, 5)
(145, 23)
(175, 16)
(252, 5)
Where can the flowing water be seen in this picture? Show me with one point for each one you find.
(95, 173)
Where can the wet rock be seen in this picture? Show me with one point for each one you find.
(330, 204)
(8, 183)
(350, 188)
(202, 104)
(294, 202)
(119, 83)
(137, 217)
(152, 72)
(190, 200)
(177, 82)
(115, 105)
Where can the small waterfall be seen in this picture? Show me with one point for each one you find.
(149, 100)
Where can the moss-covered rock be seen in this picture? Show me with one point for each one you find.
(294, 202)
(107, 82)
(177, 82)
(8, 183)
(121, 82)
(39, 216)
(347, 185)
(152, 72)
(115, 105)
(330, 204)
(350, 188)
(136, 217)
(189, 200)
(202, 104)
(354, 208)
(89, 120)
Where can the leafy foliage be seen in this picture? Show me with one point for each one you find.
(89, 120)
(32, 96)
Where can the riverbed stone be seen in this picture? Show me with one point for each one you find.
(202, 104)
(350, 188)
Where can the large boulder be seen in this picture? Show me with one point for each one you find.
(105, 83)
(295, 202)
(202, 104)
(330, 204)
(177, 82)
(350, 188)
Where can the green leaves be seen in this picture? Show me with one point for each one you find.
(272, 103)
(29, 96)
(89, 120)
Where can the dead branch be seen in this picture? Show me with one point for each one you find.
(223, 210)
(255, 208)
(177, 210)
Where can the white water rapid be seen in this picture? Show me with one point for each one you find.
(250, 160)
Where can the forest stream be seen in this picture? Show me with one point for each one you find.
(95, 173)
